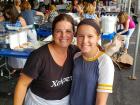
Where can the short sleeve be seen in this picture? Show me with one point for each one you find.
(33, 12)
(106, 74)
(33, 65)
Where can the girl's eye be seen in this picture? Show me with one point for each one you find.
(90, 36)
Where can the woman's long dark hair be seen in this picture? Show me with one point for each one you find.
(63, 17)
(11, 13)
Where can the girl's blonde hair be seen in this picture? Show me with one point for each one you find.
(89, 8)
(123, 17)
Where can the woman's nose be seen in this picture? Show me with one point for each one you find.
(63, 33)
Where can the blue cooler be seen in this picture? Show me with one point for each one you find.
(108, 36)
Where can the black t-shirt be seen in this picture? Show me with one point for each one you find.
(50, 81)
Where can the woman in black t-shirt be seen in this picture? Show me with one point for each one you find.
(48, 70)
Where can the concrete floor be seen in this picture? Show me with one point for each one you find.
(126, 91)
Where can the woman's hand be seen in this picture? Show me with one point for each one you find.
(119, 33)
(21, 88)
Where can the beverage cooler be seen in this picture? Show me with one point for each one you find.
(108, 26)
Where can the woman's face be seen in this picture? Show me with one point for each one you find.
(63, 34)
(87, 38)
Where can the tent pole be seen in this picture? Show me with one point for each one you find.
(129, 7)
(133, 76)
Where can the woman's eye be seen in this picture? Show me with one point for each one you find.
(57, 31)
(69, 31)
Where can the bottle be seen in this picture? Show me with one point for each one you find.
(6, 39)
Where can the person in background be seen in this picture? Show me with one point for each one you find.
(1, 9)
(42, 7)
(34, 4)
(81, 4)
(26, 12)
(48, 71)
(128, 27)
(94, 3)
(2, 28)
(28, 15)
(89, 12)
(17, 4)
(93, 72)
(14, 19)
(53, 13)
(25, 5)
(105, 2)
(76, 8)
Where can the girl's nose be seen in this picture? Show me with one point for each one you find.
(85, 39)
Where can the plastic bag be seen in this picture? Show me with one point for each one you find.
(123, 61)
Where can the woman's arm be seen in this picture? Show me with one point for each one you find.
(101, 98)
(126, 27)
(21, 88)
(97, 19)
(80, 10)
(39, 13)
(94, 4)
(1, 18)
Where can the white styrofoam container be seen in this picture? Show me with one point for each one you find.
(108, 24)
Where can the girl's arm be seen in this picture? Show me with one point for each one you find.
(101, 98)
(105, 80)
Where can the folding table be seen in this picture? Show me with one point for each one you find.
(11, 53)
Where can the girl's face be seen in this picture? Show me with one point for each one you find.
(87, 38)
(63, 34)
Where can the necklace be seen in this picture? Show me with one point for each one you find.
(92, 58)
(57, 54)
